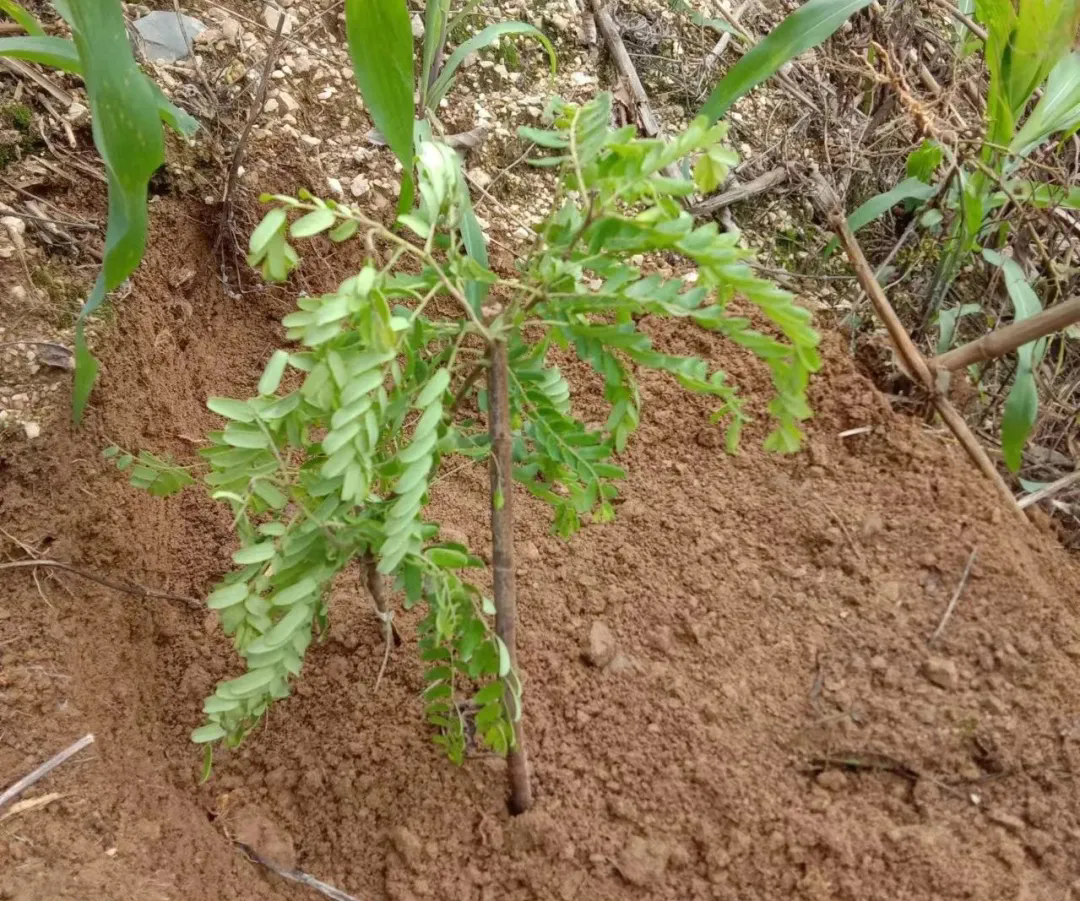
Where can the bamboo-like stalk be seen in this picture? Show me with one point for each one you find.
(1007, 339)
(502, 540)
(914, 361)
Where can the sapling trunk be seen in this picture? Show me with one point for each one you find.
(502, 540)
(377, 590)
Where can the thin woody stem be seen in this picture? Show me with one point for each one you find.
(502, 539)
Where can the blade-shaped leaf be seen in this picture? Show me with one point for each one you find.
(58, 53)
(30, 25)
(381, 46)
(1022, 404)
(128, 135)
(478, 41)
(808, 26)
(947, 323)
(1057, 110)
(880, 204)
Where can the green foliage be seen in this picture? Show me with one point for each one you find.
(1027, 49)
(335, 457)
(30, 25)
(1022, 404)
(127, 109)
(478, 41)
(380, 41)
(811, 24)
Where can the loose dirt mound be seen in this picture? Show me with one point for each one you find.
(773, 723)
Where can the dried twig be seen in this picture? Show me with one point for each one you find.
(955, 597)
(138, 591)
(1049, 490)
(30, 804)
(298, 876)
(253, 115)
(713, 56)
(963, 19)
(42, 771)
(739, 193)
(910, 356)
(1005, 340)
(625, 65)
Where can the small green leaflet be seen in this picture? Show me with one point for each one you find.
(313, 223)
(275, 369)
(434, 388)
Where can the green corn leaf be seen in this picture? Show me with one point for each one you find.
(30, 25)
(57, 53)
(880, 204)
(478, 41)
(1040, 194)
(126, 109)
(435, 27)
(381, 45)
(1057, 110)
(472, 236)
(811, 24)
(947, 323)
(1022, 404)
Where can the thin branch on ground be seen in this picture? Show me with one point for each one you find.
(42, 771)
(1050, 490)
(138, 591)
(298, 876)
(955, 597)
(739, 193)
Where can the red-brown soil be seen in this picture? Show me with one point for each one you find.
(774, 725)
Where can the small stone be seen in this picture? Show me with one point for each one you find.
(530, 552)
(310, 140)
(359, 186)
(417, 26)
(819, 454)
(253, 827)
(334, 184)
(601, 647)
(407, 845)
(872, 525)
(500, 70)
(271, 106)
(1007, 820)
(77, 114)
(32, 430)
(642, 862)
(832, 780)
(480, 177)
(708, 437)
(230, 29)
(271, 17)
(942, 673)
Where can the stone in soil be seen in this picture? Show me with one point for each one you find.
(601, 647)
(942, 672)
(642, 862)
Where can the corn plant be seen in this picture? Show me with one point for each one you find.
(334, 458)
(380, 42)
(1028, 54)
(127, 110)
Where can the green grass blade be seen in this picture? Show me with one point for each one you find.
(128, 135)
(1057, 110)
(435, 27)
(58, 53)
(808, 26)
(381, 46)
(880, 204)
(478, 41)
(30, 25)
(472, 235)
(1022, 404)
